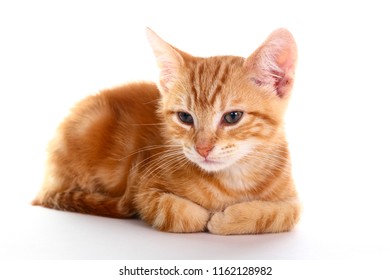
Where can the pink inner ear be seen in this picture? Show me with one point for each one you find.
(279, 75)
(257, 81)
(284, 80)
(167, 73)
(168, 59)
(274, 62)
(282, 85)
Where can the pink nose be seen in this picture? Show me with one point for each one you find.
(204, 150)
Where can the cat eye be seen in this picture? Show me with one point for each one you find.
(232, 117)
(185, 118)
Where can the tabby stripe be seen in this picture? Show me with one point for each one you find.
(264, 117)
(216, 71)
(199, 81)
(88, 203)
(168, 219)
(265, 221)
(194, 92)
(221, 82)
(196, 83)
(214, 81)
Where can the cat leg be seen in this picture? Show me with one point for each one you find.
(255, 217)
(171, 213)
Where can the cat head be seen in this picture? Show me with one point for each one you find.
(221, 109)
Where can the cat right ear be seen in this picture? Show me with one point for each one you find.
(168, 58)
(273, 64)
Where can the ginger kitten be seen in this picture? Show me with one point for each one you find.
(204, 149)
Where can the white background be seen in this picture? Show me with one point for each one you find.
(53, 53)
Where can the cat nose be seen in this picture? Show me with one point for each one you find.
(204, 150)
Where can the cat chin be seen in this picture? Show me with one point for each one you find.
(212, 166)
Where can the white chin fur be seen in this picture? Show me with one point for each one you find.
(212, 166)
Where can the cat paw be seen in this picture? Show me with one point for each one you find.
(230, 221)
(180, 215)
(221, 223)
(216, 223)
(255, 217)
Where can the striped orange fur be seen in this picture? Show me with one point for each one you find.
(203, 150)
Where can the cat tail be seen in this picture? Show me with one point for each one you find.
(86, 203)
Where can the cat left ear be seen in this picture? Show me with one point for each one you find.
(273, 63)
(168, 59)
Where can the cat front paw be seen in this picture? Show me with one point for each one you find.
(216, 222)
(222, 223)
(255, 217)
(180, 215)
(231, 221)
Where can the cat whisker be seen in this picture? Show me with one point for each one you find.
(152, 101)
(270, 163)
(145, 124)
(180, 164)
(156, 165)
(160, 170)
(149, 148)
(148, 161)
(268, 159)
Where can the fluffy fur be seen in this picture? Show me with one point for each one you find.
(204, 149)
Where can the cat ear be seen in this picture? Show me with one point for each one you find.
(273, 63)
(168, 59)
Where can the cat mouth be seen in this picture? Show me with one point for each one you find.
(210, 161)
(211, 164)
